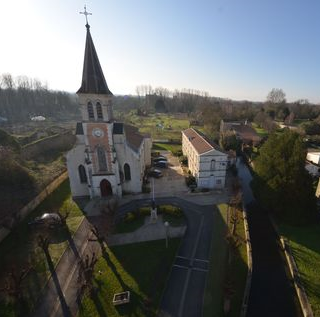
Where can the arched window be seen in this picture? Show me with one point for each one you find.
(99, 110)
(127, 173)
(101, 159)
(82, 174)
(90, 111)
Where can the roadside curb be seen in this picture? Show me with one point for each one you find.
(294, 272)
(249, 257)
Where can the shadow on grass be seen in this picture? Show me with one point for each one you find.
(152, 275)
(99, 307)
(137, 302)
(65, 309)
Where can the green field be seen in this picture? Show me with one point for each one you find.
(173, 148)
(261, 132)
(304, 242)
(20, 248)
(160, 126)
(219, 270)
(141, 268)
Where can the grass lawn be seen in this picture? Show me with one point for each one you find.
(124, 227)
(174, 221)
(20, 248)
(238, 271)
(261, 132)
(218, 270)
(141, 268)
(171, 125)
(304, 242)
(213, 297)
(173, 148)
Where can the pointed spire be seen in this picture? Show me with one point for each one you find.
(93, 81)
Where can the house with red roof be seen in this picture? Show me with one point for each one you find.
(206, 161)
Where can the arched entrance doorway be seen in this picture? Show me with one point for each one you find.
(105, 188)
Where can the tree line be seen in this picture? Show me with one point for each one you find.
(23, 97)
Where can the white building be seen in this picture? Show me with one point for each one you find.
(206, 162)
(313, 156)
(109, 157)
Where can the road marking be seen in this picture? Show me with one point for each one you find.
(189, 268)
(180, 266)
(198, 269)
(184, 292)
(191, 259)
(205, 261)
(182, 257)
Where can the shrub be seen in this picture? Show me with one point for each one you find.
(190, 180)
(170, 210)
(146, 189)
(144, 211)
(129, 217)
(183, 160)
(177, 153)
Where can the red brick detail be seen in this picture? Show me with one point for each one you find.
(102, 141)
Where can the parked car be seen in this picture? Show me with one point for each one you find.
(159, 158)
(161, 164)
(49, 219)
(155, 173)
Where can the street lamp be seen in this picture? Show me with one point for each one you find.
(166, 225)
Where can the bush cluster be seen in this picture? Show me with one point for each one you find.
(170, 210)
(177, 153)
(190, 180)
(130, 216)
(145, 211)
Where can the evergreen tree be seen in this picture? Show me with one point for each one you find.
(281, 182)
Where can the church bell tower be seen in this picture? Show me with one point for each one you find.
(95, 100)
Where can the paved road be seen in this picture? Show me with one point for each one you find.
(272, 292)
(184, 292)
(59, 297)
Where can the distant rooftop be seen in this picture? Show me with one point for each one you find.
(200, 142)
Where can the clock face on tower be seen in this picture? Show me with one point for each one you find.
(97, 132)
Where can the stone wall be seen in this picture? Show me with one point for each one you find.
(35, 202)
(57, 142)
(249, 257)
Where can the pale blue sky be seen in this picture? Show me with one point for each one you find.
(238, 49)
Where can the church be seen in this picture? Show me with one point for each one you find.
(109, 157)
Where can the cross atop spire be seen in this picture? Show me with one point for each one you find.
(86, 13)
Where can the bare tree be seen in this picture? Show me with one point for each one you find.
(13, 283)
(276, 96)
(43, 243)
(7, 81)
(86, 270)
